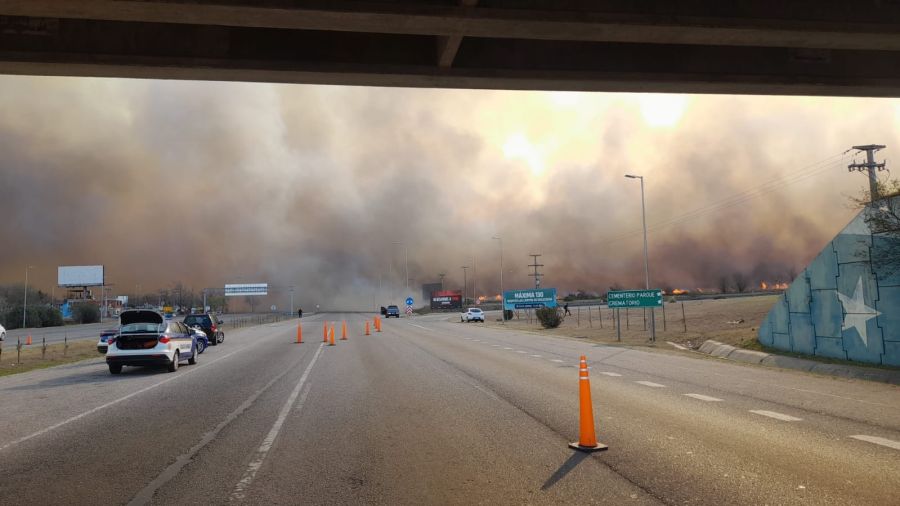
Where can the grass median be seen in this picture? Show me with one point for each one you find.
(34, 357)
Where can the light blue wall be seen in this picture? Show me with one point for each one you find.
(840, 306)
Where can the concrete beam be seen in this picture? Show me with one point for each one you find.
(448, 45)
(693, 28)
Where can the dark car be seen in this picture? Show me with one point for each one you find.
(209, 323)
(102, 344)
(392, 310)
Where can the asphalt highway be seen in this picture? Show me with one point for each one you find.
(433, 411)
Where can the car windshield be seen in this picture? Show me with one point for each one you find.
(474, 310)
(134, 328)
(197, 320)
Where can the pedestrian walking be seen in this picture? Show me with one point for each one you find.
(566, 309)
(299, 312)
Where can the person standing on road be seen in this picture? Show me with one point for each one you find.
(566, 309)
(299, 312)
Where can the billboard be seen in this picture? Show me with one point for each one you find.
(447, 299)
(246, 289)
(529, 299)
(80, 275)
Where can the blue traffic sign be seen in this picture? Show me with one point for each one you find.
(409, 301)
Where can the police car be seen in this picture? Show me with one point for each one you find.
(145, 337)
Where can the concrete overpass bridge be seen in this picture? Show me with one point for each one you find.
(801, 47)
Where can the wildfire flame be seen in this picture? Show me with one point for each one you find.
(679, 291)
(773, 286)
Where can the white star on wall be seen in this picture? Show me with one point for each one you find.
(857, 313)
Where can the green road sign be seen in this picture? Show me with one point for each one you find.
(635, 298)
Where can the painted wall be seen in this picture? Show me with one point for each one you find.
(842, 305)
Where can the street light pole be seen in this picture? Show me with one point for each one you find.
(465, 284)
(502, 295)
(25, 302)
(646, 257)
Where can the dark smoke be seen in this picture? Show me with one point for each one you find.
(212, 183)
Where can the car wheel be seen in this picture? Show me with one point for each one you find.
(201, 346)
(193, 359)
(173, 366)
(115, 368)
(221, 338)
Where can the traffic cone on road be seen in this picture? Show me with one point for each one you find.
(377, 324)
(299, 334)
(367, 327)
(331, 336)
(587, 440)
(28, 339)
(343, 330)
(325, 332)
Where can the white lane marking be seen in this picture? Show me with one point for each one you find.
(421, 327)
(505, 348)
(558, 361)
(650, 384)
(879, 441)
(680, 347)
(467, 338)
(704, 397)
(495, 345)
(775, 415)
(477, 340)
(269, 440)
(120, 399)
(520, 351)
(613, 374)
(537, 356)
(146, 495)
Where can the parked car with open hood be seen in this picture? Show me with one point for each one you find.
(145, 337)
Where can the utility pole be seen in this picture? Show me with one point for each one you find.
(474, 276)
(536, 275)
(292, 300)
(502, 297)
(465, 288)
(25, 302)
(870, 166)
(441, 275)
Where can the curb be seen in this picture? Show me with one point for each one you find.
(729, 352)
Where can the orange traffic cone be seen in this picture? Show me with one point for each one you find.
(367, 327)
(377, 324)
(587, 440)
(325, 332)
(28, 339)
(331, 336)
(343, 330)
(299, 334)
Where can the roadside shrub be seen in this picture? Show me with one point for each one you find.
(86, 313)
(35, 317)
(549, 317)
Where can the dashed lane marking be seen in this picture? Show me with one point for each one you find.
(704, 397)
(421, 327)
(558, 361)
(650, 384)
(537, 356)
(240, 489)
(523, 352)
(506, 348)
(613, 374)
(878, 440)
(776, 415)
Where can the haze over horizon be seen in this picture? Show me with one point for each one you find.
(207, 183)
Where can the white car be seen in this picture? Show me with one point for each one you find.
(2, 333)
(473, 314)
(146, 338)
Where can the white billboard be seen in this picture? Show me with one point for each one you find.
(246, 289)
(80, 275)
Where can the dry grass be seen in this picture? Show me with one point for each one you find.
(705, 319)
(32, 357)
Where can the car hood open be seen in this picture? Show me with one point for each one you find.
(140, 316)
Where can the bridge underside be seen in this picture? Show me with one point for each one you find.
(802, 47)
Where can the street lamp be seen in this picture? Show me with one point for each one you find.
(465, 284)
(646, 258)
(405, 262)
(502, 296)
(25, 302)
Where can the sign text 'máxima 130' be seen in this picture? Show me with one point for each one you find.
(529, 299)
(635, 298)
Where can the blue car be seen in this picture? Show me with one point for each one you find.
(202, 340)
(392, 310)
